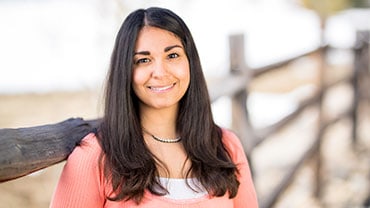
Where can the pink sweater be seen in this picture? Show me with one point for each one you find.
(82, 183)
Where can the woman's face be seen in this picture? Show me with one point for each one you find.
(161, 72)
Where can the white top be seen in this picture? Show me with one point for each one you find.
(178, 189)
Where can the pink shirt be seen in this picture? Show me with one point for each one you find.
(82, 183)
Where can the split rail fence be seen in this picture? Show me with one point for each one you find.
(26, 150)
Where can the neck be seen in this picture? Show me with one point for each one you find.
(160, 122)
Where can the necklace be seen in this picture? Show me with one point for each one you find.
(163, 140)
(175, 140)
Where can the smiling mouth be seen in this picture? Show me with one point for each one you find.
(162, 89)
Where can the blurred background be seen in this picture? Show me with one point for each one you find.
(54, 56)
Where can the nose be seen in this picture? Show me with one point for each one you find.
(159, 69)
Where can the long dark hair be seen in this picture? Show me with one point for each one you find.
(128, 164)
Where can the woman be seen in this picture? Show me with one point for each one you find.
(157, 145)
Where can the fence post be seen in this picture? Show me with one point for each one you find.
(320, 124)
(240, 115)
(360, 66)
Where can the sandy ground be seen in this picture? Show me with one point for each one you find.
(345, 173)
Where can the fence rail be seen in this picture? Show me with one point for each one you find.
(25, 150)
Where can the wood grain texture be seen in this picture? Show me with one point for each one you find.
(26, 150)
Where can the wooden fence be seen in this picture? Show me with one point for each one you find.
(253, 137)
(239, 77)
(25, 150)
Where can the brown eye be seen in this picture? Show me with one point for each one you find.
(173, 55)
(142, 61)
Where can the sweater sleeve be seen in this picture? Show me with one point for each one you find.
(81, 181)
(246, 196)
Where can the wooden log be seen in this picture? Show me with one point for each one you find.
(26, 150)
(308, 154)
(264, 133)
(240, 114)
(255, 72)
(360, 65)
(231, 85)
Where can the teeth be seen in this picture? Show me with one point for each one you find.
(161, 88)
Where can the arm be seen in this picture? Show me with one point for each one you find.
(81, 183)
(246, 197)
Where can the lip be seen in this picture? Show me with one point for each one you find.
(162, 88)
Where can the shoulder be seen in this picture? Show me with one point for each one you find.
(90, 143)
(81, 183)
(233, 145)
(84, 164)
(86, 154)
(230, 140)
(89, 147)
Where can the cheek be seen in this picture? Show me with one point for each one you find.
(182, 70)
(185, 73)
(138, 77)
(138, 81)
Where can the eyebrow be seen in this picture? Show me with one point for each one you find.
(171, 47)
(168, 48)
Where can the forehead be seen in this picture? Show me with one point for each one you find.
(153, 38)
